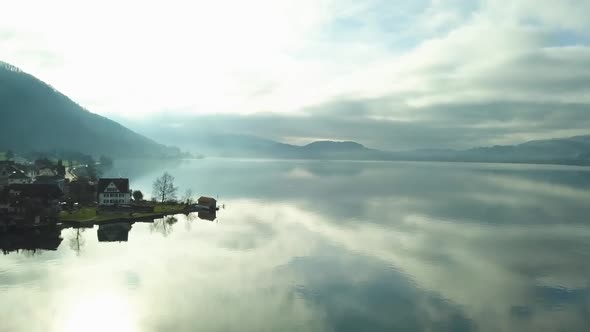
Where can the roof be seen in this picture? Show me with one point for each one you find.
(48, 178)
(17, 175)
(6, 163)
(121, 184)
(9, 166)
(37, 190)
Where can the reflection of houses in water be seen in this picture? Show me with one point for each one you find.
(208, 215)
(115, 232)
(44, 238)
(24, 204)
(206, 208)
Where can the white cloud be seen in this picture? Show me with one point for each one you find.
(137, 58)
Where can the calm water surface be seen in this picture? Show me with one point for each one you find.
(324, 246)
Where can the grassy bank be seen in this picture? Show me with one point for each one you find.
(88, 214)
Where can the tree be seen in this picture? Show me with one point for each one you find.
(188, 196)
(93, 172)
(105, 161)
(9, 154)
(77, 241)
(163, 225)
(164, 188)
(137, 195)
(61, 169)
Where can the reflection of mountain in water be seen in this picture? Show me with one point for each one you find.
(46, 238)
(118, 232)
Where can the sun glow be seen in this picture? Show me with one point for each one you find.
(98, 312)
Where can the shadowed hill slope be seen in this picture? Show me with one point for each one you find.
(36, 117)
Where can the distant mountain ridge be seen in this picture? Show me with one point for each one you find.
(567, 151)
(36, 117)
(571, 150)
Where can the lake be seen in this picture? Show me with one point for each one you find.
(324, 246)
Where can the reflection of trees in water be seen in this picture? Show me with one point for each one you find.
(188, 221)
(164, 225)
(77, 241)
(32, 253)
(204, 215)
(30, 242)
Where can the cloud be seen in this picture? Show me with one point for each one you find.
(412, 62)
(386, 123)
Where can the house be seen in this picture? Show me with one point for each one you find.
(46, 171)
(113, 191)
(56, 180)
(18, 177)
(5, 207)
(209, 202)
(34, 203)
(80, 191)
(6, 169)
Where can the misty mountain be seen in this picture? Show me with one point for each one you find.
(37, 117)
(254, 147)
(572, 150)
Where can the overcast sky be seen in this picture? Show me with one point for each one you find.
(391, 74)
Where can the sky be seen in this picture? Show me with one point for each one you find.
(389, 74)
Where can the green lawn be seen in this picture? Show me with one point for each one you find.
(87, 214)
(83, 214)
(168, 208)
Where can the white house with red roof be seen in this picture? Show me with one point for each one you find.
(113, 191)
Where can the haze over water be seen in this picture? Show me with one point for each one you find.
(326, 246)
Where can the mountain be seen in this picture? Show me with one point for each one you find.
(567, 151)
(249, 146)
(337, 150)
(37, 117)
(572, 150)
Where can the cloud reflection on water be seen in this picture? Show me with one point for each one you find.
(379, 247)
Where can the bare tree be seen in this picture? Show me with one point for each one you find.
(164, 188)
(188, 196)
(163, 225)
(188, 220)
(77, 241)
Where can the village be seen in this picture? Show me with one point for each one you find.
(47, 193)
